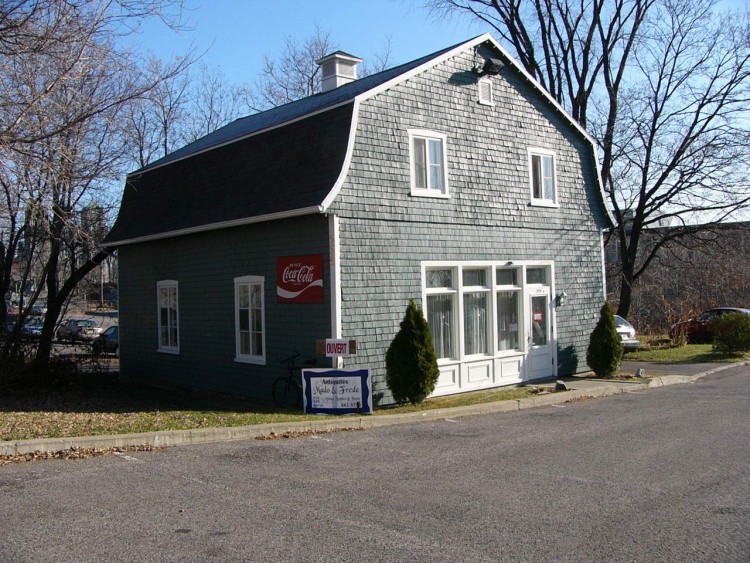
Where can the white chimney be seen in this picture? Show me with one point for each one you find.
(338, 68)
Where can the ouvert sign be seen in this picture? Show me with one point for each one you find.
(335, 347)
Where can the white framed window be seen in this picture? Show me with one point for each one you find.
(249, 320)
(482, 309)
(509, 315)
(476, 296)
(484, 92)
(429, 168)
(441, 298)
(542, 177)
(168, 307)
(536, 275)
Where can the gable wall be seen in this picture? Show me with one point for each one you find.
(386, 233)
(205, 266)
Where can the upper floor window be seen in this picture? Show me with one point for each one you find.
(428, 163)
(169, 333)
(542, 177)
(250, 339)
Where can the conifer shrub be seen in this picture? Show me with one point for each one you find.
(732, 334)
(411, 364)
(605, 345)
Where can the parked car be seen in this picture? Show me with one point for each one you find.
(39, 308)
(701, 328)
(30, 330)
(107, 342)
(78, 330)
(627, 333)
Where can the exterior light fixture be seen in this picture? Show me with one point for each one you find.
(491, 67)
(560, 299)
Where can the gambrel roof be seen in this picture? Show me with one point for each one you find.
(284, 162)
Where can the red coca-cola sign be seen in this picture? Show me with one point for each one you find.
(299, 279)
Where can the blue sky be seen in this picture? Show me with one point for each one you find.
(237, 33)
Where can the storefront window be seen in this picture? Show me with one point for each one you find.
(507, 320)
(476, 311)
(506, 276)
(441, 310)
(536, 275)
(485, 309)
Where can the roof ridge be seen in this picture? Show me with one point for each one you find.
(254, 123)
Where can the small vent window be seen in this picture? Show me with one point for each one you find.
(485, 91)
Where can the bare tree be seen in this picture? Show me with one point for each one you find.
(214, 103)
(63, 86)
(293, 75)
(155, 121)
(43, 43)
(663, 87)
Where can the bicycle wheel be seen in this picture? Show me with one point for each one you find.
(287, 394)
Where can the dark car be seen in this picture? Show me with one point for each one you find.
(107, 342)
(701, 328)
(78, 330)
(30, 330)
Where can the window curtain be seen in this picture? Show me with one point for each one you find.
(440, 318)
(507, 320)
(475, 323)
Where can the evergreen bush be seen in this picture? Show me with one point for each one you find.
(732, 334)
(411, 364)
(605, 345)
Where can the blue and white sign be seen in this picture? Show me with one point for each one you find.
(337, 391)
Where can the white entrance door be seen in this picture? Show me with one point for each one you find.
(540, 358)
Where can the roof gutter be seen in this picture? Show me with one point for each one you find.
(312, 210)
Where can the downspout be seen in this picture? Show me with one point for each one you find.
(334, 246)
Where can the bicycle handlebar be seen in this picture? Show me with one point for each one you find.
(291, 358)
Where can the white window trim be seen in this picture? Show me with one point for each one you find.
(453, 291)
(249, 358)
(518, 289)
(482, 100)
(543, 202)
(524, 289)
(491, 313)
(168, 284)
(428, 192)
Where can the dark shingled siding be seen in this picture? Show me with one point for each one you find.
(292, 167)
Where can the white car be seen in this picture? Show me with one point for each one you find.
(627, 333)
(80, 330)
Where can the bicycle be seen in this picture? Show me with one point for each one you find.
(287, 390)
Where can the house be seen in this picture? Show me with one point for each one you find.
(453, 180)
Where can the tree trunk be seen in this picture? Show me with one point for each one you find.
(626, 292)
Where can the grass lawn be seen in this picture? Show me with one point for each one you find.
(101, 404)
(688, 354)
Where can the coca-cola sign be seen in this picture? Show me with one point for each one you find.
(299, 279)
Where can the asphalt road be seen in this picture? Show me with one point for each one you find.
(655, 476)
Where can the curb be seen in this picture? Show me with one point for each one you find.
(212, 435)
